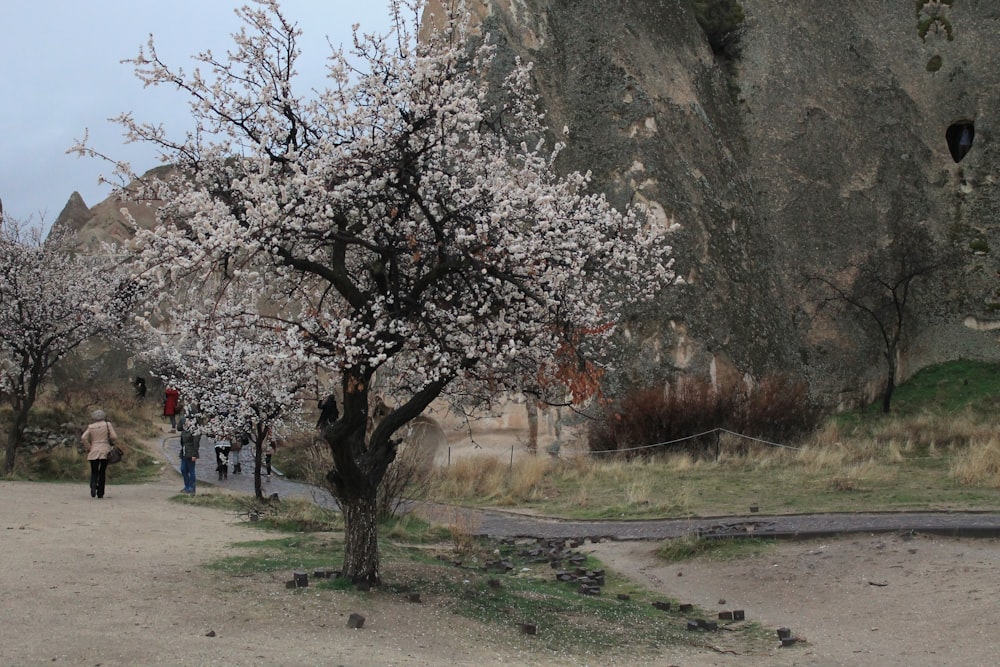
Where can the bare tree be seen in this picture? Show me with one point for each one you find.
(879, 290)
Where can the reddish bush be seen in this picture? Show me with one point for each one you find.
(686, 417)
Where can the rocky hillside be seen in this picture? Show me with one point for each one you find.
(820, 134)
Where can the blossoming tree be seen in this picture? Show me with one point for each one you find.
(239, 373)
(405, 221)
(51, 302)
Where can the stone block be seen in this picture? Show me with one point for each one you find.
(355, 621)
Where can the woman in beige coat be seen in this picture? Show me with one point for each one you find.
(97, 441)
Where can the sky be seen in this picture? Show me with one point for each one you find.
(61, 77)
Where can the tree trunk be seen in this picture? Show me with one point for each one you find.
(361, 557)
(890, 380)
(15, 437)
(890, 387)
(531, 406)
(258, 459)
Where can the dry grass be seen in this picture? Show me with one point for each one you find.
(978, 465)
(919, 462)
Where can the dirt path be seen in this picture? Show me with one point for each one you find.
(119, 581)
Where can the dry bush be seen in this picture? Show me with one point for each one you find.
(407, 477)
(461, 529)
(488, 477)
(978, 465)
(526, 481)
(475, 476)
(778, 408)
(930, 431)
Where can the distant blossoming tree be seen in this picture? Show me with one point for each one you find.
(237, 373)
(51, 302)
(404, 221)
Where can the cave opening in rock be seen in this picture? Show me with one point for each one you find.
(960, 136)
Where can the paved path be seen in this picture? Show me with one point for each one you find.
(206, 475)
(499, 524)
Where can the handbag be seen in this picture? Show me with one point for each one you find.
(115, 455)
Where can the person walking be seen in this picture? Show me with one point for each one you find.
(171, 403)
(222, 450)
(97, 442)
(270, 446)
(237, 443)
(190, 442)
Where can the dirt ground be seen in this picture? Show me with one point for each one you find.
(918, 601)
(119, 581)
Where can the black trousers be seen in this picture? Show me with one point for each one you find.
(98, 471)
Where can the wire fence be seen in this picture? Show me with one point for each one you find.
(694, 437)
(656, 445)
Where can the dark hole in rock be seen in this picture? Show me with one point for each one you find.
(960, 137)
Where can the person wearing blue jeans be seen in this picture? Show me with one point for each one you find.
(190, 441)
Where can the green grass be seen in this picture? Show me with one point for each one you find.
(727, 549)
(287, 553)
(946, 389)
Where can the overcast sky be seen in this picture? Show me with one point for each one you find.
(61, 76)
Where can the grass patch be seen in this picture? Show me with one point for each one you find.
(692, 546)
(287, 553)
(294, 515)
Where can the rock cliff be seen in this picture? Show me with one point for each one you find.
(824, 133)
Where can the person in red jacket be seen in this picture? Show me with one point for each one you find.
(171, 401)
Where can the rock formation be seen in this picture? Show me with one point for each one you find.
(823, 134)
(826, 131)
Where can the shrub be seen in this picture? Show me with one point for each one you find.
(686, 418)
(309, 458)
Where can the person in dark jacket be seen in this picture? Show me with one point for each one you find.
(190, 441)
(328, 412)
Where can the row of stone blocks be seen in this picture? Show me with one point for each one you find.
(300, 578)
